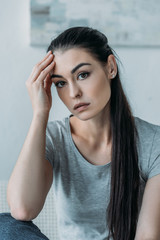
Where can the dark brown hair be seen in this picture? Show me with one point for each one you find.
(122, 211)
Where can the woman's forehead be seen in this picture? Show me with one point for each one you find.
(73, 54)
(71, 59)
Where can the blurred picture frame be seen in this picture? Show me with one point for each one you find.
(126, 23)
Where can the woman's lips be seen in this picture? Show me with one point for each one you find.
(81, 107)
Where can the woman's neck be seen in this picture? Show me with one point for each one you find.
(96, 131)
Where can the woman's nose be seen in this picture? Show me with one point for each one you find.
(74, 90)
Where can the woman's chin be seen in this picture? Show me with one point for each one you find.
(84, 116)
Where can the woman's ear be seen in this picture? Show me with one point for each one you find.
(111, 67)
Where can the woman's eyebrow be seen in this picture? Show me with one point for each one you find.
(72, 71)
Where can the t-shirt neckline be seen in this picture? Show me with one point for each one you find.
(68, 127)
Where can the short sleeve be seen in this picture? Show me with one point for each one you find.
(154, 161)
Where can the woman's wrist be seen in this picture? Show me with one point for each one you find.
(41, 117)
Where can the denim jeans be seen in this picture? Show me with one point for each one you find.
(12, 229)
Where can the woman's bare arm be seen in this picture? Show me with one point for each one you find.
(148, 227)
(32, 175)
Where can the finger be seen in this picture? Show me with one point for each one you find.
(34, 72)
(42, 76)
(48, 53)
(48, 84)
(40, 67)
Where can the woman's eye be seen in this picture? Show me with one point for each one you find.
(83, 75)
(60, 84)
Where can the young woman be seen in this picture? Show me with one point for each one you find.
(104, 163)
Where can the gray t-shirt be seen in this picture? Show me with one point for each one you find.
(82, 190)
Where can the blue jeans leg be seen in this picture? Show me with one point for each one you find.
(12, 229)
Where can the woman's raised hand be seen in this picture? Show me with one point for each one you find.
(39, 85)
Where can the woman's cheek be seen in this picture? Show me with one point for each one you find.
(64, 96)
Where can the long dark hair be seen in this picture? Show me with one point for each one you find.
(122, 211)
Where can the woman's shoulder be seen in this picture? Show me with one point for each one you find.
(57, 126)
(148, 147)
(146, 128)
(148, 134)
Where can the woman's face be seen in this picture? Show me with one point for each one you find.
(81, 79)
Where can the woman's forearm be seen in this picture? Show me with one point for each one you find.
(26, 190)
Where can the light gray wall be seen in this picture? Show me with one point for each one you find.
(140, 76)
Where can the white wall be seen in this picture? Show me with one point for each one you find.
(140, 77)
